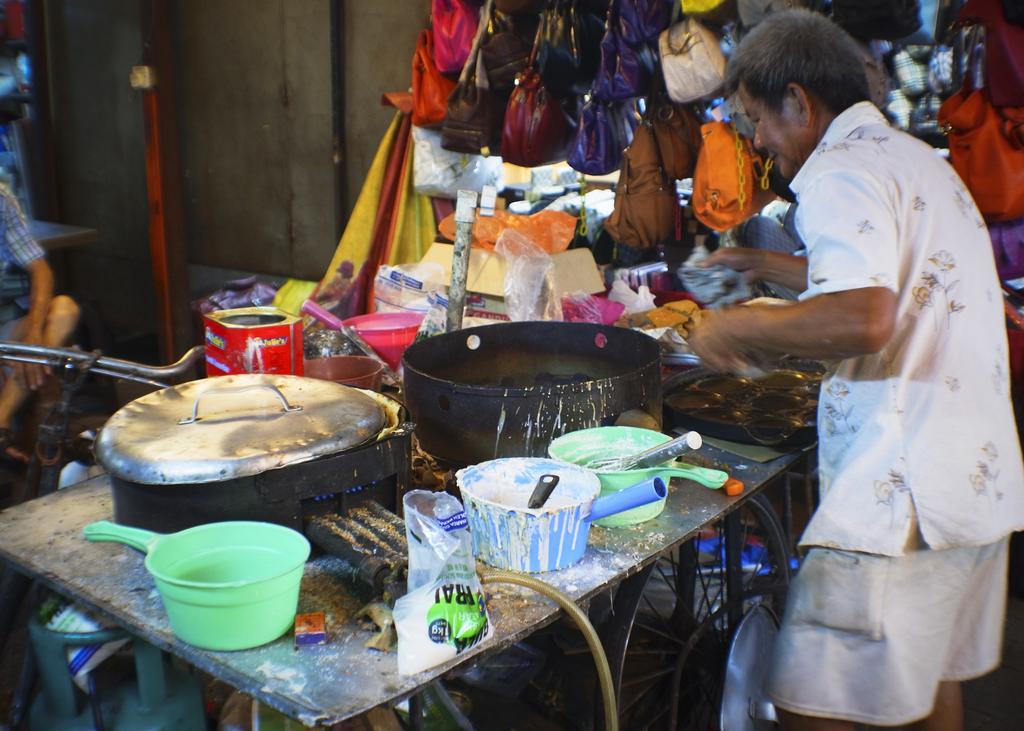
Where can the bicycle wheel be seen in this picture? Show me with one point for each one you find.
(675, 658)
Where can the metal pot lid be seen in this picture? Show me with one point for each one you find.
(234, 426)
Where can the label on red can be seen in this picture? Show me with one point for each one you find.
(253, 340)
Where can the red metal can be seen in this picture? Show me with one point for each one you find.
(253, 340)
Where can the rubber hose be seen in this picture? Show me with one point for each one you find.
(579, 617)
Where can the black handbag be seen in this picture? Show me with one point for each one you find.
(883, 20)
(570, 48)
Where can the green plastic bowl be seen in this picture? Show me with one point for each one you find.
(586, 445)
(225, 586)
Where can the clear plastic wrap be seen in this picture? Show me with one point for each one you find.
(529, 279)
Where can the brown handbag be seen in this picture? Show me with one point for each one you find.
(647, 209)
(986, 147)
(430, 88)
(472, 121)
(506, 50)
(677, 128)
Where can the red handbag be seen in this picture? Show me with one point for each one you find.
(986, 147)
(536, 130)
(1004, 52)
(430, 88)
(454, 23)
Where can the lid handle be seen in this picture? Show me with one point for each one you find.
(285, 406)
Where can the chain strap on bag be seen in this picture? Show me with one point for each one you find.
(723, 182)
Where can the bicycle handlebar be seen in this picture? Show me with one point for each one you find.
(113, 367)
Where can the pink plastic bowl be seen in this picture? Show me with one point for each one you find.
(389, 333)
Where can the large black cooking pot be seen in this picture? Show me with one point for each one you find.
(507, 390)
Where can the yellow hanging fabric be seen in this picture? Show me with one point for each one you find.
(415, 228)
(292, 294)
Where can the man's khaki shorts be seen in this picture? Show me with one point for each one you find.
(868, 638)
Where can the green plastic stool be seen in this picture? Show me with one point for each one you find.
(163, 698)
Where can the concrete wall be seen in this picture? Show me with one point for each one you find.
(256, 137)
(380, 37)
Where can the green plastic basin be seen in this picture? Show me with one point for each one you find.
(225, 586)
(587, 445)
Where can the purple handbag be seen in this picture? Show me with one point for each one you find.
(625, 72)
(1008, 248)
(604, 131)
(641, 21)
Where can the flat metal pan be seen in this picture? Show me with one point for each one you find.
(777, 411)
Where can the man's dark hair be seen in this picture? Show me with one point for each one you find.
(799, 47)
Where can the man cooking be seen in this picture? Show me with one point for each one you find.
(902, 592)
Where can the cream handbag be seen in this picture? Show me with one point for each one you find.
(691, 60)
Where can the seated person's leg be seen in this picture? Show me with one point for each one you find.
(61, 320)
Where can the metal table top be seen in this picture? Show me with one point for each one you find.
(325, 684)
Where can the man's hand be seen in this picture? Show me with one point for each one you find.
(31, 375)
(714, 341)
(737, 258)
(759, 265)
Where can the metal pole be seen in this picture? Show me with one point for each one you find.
(465, 215)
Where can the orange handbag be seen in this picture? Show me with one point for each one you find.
(430, 88)
(986, 147)
(723, 182)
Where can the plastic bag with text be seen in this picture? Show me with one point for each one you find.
(529, 279)
(445, 611)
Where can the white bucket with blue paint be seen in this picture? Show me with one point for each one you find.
(509, 535)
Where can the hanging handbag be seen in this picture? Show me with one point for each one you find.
(752, 12)
(691, 61)
(882, 20)
(723, 182)
(603, 132)
(1004, 52)
(518, 7)
(506, 50)
(454, 23)
(536, 130)
(472, 120)
(1008, 247)
(640, 21)
(570, 48)
(678, 131)
(1013, 11)
(986, 147)
(625, 72)
(430, 88)
(646, 209)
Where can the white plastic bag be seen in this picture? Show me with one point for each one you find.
(640, 301)
(444, 612)
(441, 173)
(405, 288)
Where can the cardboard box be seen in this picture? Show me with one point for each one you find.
(574, 271)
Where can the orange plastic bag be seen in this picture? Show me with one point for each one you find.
(550, 230)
